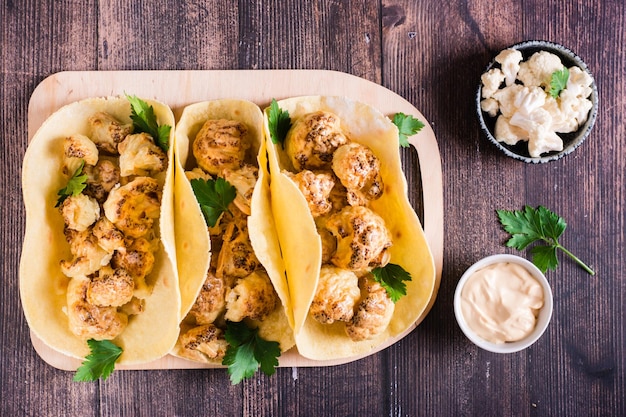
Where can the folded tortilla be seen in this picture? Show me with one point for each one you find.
(301, 244)
(149, 335)
(193, 243)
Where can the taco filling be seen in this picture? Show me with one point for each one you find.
(224, 177)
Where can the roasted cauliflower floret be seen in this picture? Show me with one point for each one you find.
(197, 174)
(133, 207)
(107, 132)
(329, 242)
(316, 188)
(373, 312)
(336, 295)
(110, 287)
(204, 343)
(109, 237)
(211, 301)
(89, 256)
(358, 169)
(140, 156)
(362, 238)
(137, 258)
(101, 179)
(253, 297)
(243, 179)
(89, 321)
(312, 140)
(79, 212)
(220, 144)
(81, 147)
(236, 258)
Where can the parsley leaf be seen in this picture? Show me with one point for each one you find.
(558, 81)
(391, 277)
(214, 196)
(144, 120)
(279, 123)
(407, 126)
(531, 225)
(100, 363)
(247, 352)
(75, 185)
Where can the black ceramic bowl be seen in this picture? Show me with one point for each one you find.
(570, 140)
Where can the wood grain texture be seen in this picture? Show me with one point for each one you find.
(431, 53)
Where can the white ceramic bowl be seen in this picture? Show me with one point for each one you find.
(545, 314)
(571, 141)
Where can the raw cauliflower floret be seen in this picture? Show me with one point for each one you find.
(509, 60)
(140, 156)
(79, 212)
(538, 69)
(506, 99)
(579, 83)
(543, 141)
(491, 80)
(529, 99)
(507, 133)
(490, 106)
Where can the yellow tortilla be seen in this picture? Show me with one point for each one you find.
(149, 335)
(301, 243)
(192, 238)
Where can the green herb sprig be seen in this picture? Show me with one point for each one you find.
(75, 185)
(214, 196)
(279, 123)
(248, 352)
(100, 362)
(144, 120)
(537, 225)
(407, 126)
(392, 277)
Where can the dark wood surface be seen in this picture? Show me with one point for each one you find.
(430, 52)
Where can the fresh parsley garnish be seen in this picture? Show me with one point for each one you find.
(247, 352)
(144, 120)
(391, 277)
(100, 363)
(279, 123)
(75, 185)
(558, 81)
(531, 225)
(214, 196)
(407, 126)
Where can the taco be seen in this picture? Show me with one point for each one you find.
(339, 198)
(229, 261)
(98, 254)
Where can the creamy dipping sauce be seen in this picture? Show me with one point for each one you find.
(501, 302)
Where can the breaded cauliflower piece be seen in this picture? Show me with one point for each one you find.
(221, 144)
(79, 212)
(89, 321)
(110, 287)
(101, 179)
(358, 169)
(133, 207)
(211, 301)
(362, 238)
(252, 297)
(509, 60)
(107, 132)
(313, 139)
(373, 314)
(140, 156)
(109, 237)
(88, 255)
(316, 187)
(81, 147)
(537, 70)
(204, 344)
(336, 295)
(243, 179)
(236, 257)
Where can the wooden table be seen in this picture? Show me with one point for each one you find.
(431, 53)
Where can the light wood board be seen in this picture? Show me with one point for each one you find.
(180, 88)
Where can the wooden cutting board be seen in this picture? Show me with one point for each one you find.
(180, 88)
